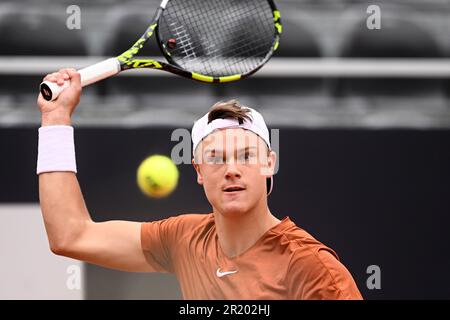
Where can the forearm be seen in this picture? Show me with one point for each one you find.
(62, 204)
(63, 208)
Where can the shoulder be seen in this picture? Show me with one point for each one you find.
(314, 270)
(161, 239)
(297, 242)
(180, 225)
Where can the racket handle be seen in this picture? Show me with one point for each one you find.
(96, 72)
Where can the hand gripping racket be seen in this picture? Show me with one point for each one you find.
(204, 40)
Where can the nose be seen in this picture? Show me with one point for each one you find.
(232, 171)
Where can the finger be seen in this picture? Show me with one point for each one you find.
(62, 71)
(65, 72)
(66, 76)
(61, 76)
(51, 77)
(55, 76)
(75, 77)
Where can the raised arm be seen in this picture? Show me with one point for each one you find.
(70, 229)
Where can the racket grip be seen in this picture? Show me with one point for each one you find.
(96, 72)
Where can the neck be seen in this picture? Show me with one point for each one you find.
(238, 233)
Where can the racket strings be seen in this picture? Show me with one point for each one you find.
(218, 37)
(184, 39)
(242, 47)
(231, 51)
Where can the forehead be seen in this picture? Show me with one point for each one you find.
(235, 138)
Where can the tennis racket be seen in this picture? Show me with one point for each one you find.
(211, 41)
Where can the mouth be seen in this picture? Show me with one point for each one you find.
(233, 189)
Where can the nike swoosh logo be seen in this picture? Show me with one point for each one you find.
(221, 274)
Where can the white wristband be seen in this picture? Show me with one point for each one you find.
(56, 149)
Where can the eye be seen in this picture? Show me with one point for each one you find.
(246, 157)
(214, 160)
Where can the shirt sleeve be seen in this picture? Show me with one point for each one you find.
(319, 275)
(158, 240)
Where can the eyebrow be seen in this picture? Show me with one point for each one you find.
(220, 151)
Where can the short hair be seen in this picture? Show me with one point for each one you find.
(230, 109)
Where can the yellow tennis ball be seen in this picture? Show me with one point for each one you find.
(157, 176)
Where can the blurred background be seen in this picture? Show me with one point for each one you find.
(364, 120)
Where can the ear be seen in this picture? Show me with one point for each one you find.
(269, 168)
(199, 174)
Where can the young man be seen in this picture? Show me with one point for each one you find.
(239, 251)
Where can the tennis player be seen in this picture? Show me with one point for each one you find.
(238, 251)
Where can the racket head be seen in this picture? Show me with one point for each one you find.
(218, 40)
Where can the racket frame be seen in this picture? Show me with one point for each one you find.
(128, 62)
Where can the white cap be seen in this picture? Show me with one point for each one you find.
(202, 128)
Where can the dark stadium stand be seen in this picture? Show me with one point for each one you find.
(38, 35)
(311, 29)
(31, 33)
(398, 38)
(297, 40)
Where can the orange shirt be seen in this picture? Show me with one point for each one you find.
(285, 263)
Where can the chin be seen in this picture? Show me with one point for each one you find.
(233, 209)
